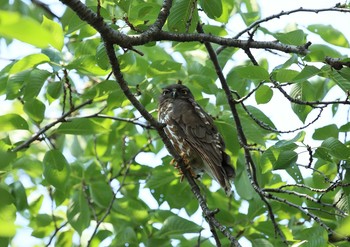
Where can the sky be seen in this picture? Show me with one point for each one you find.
(282, 117)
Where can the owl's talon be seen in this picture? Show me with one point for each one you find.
(182, 178)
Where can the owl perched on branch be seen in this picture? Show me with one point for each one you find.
(194, 136)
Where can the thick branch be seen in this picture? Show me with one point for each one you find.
(155, 34)
(162, 16)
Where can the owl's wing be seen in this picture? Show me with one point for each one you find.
(198, 129)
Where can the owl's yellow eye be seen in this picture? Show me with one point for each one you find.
(184, 91)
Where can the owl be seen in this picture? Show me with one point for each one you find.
(194, 136)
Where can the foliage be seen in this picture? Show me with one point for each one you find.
(82, 157)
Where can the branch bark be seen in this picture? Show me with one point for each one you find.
(154, 33)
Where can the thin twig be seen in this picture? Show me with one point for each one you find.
(282, 13)
(128, 120)
(55, 233)
(313, 104)
(307, 197)
(61, 119)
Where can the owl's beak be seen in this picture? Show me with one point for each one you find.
(174, 94)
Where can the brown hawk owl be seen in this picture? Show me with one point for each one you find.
(194, 136)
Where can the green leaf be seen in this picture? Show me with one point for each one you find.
(261, 242)
(319, 52)
(127, 236)
(243, 186)
(19, 194)
(87, 64)
(55, 57)
(6, 155)
(285, 160)
(344, 227)
(159, 179)
(24, 28)
(339, 77)
(336, 148)
(7, 213)
(34, 83)
(253, 72)
(212, 8)
(329, 34)
(81, 126)
(136, 210)
(101, 193)
(102, 58)
(175, 225)
(102, 90)
(227, 11)
(219, 31)
(78, 213)
(65, 238)
(142, 12)
(14, 86)
(28, 62)
(255, 133)
(12, 122)
(315, 236)
(71, 21)
(286, 75)
(345, 127)
(250, 17)
(326, 132)
(56, 169)
(267, 159)
(35, 109)
(54, 90)
(306, 73)
(296, 37)
(183, 14)
(263, 95)
(304, 92)
(290, 144)
(56, 33)
(295, 173)
(163, 67)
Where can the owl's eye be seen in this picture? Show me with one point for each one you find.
(166, 91)
(184, 91)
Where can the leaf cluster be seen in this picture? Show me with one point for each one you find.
(83, 162)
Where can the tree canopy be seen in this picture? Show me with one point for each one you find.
(84, 161)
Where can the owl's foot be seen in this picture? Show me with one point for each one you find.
(186, 162)
(193, 174)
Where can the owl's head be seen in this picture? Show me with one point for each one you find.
(175, 91)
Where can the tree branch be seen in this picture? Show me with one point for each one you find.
(49, 126)
(128, 120)
(159, 127)
(282, 13)
(313, 104)
(250, 164)
(154, 33)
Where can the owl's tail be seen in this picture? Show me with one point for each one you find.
(229, 173)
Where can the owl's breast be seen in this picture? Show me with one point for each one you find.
(172, 115)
